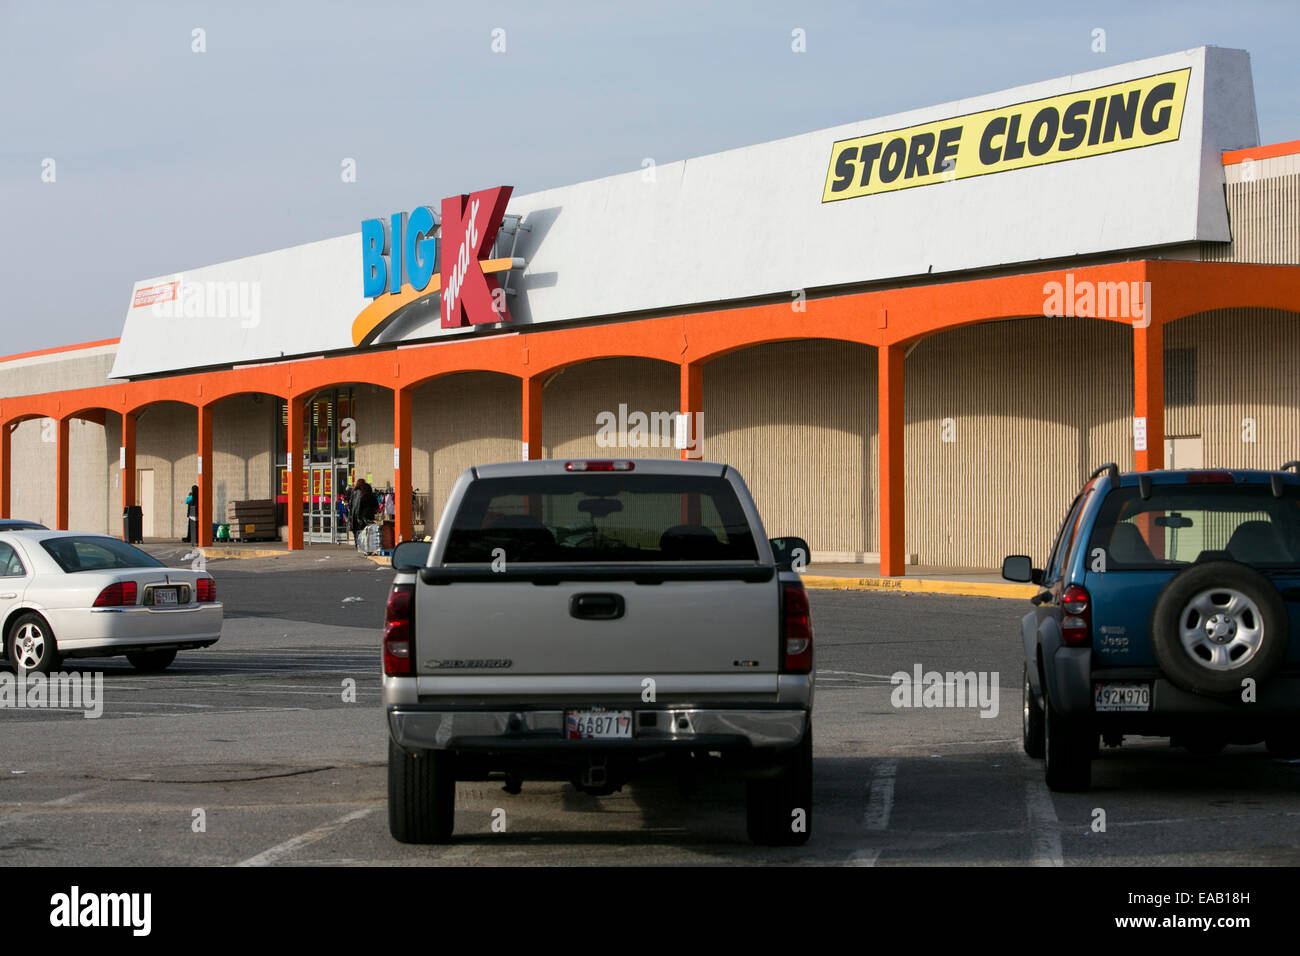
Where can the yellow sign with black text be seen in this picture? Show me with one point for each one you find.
(1105, 119)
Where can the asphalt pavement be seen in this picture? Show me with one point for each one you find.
(269, 749)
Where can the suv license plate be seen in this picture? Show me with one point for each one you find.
(165, 596)
(597, 724)
(1110, 697)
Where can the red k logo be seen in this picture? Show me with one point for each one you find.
(469, 227)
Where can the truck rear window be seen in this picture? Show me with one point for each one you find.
(1183, 524)
(616, 518)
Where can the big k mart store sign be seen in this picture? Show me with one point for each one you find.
(915, 336)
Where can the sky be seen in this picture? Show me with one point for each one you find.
(167, 157)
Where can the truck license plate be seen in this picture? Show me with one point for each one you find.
(164, 596)
(597, 724)
(1109, 697)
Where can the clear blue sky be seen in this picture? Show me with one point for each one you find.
(168, 159)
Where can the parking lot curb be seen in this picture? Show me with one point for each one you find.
(225, 553)
(919, 586)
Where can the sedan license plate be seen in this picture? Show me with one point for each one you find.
(597, 724)
(1112, 697)
(164, 596)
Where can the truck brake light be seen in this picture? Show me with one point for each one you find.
(1076, 622)
(397, 630)
(796, 630)
(599, 466)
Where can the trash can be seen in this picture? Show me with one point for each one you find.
(133, 524)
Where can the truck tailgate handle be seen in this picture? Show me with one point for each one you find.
(596, 607)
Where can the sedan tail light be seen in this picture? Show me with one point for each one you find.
(796, 630)
(121, 594)
(1076, 622)
(398, 621)
(206, 589)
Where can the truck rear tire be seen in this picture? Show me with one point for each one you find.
(421, 794)
(778, 810)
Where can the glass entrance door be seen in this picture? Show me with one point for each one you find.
(320, 517)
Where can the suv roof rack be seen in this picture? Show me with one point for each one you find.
(1291, 466)
(1113, 470)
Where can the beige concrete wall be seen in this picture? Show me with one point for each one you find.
(57, 371)
(574, 396)
(458, 422)
(243, 443)
(798, 420)
(166, 442)
(374, 415)
(34, 450)
(1247, 379)
(1263, 213)
(1032, 407)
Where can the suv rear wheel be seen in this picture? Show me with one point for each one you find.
(1032, 721)
(1068, 744)
(421, 794)
(1216, 624)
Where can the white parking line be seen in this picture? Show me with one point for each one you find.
(267, 857)
(1044, 827)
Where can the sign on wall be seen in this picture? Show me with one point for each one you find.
(1105, 119)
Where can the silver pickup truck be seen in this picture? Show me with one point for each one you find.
(595, 621)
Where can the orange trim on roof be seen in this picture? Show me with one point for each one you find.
(1234, 156)
(60, 348)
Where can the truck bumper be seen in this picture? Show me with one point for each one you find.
(659, 729)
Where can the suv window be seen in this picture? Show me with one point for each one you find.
(1064, 539)
(601, 517)
(1182, 524)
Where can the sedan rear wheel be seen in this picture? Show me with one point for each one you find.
(31, 645)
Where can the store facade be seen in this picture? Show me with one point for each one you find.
(914, 336)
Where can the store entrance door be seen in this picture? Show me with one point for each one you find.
(320, 518)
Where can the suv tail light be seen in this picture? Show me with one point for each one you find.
(1076, 622)
(398, 620)
(206, 588)
(121, 594)
(796, 630)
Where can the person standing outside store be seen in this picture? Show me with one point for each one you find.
(362, 507)
(192, 516)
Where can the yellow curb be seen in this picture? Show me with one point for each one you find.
(214, 553)
(919, 586)
(383, 560)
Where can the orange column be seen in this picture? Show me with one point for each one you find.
(403, 527)
(61, 476)
(205, 476)
(1149, 396)
(126, 462)
(532, 418)
(890, 414)
(5, 443)
(692, 406)
(294, 460)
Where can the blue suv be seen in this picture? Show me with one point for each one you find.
(1170, 607)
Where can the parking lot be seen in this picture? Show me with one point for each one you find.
(269, 748)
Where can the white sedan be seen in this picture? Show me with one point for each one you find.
(66, 594)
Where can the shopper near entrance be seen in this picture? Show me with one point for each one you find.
(192, 516)
(362, 508)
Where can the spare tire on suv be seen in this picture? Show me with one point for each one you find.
(1216, 624)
